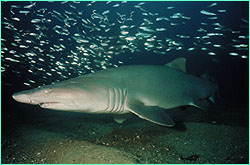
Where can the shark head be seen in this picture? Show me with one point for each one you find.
(58, 98)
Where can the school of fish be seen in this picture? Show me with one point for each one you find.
(38, 35)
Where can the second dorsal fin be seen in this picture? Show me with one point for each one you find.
(178, 63)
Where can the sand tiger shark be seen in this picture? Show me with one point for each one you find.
(144, 90)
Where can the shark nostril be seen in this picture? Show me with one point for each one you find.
(47, 91)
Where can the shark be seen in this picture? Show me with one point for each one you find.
(144, 90)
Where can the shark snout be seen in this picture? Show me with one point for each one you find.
(23, 98)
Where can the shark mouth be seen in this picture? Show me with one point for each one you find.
(48, 104)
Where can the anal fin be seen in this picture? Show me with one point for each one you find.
(203, 104)
(151, 113)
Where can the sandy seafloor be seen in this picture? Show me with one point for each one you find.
(212, 136)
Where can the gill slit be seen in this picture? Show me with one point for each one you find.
(116, 100)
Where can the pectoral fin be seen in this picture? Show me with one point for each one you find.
(120, 118)
(151, 113)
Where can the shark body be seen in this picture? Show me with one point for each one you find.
(145, 90)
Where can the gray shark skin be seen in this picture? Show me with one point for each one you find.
(145, 90)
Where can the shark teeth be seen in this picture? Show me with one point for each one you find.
(47, 104)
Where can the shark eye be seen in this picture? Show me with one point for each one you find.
(47, 91)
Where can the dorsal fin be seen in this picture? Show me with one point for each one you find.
(178, 63)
